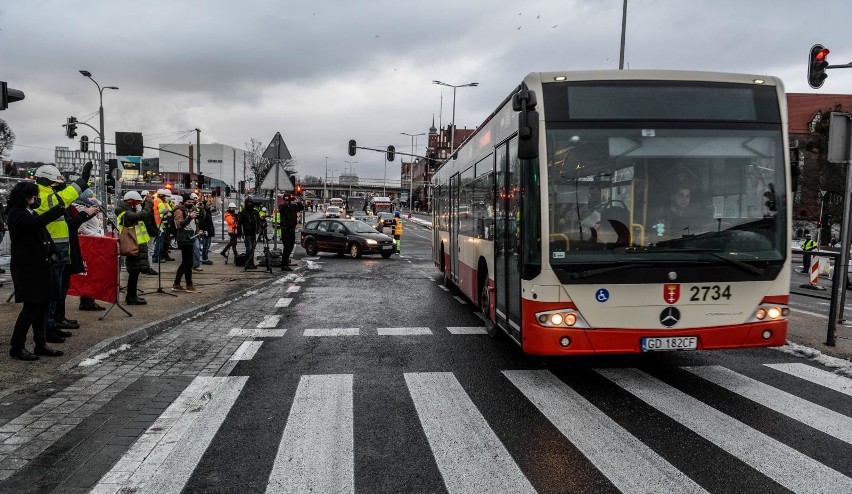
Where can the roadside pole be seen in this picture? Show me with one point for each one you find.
(840, 151)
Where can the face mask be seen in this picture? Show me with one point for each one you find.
(138, 207)
(36, 203)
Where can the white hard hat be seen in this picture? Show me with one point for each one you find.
(132, 195)
(193, 196)
(144, 193)
(49, 172)
(163, 192)
(263, 209)
(232, 205)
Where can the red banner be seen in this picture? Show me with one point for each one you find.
(100, 257)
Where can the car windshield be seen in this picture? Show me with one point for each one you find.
(333, 209)
(359, 227)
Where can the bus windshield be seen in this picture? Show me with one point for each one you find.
(654, 191)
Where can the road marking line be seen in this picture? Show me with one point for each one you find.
(779, 462)
(269, 321)
(165, 455)
(283, 302)
(247, 350)
(459, 300)
(816, 416)
(800, 311)
(332, 332)
(626, 461)
(817, 376)
(257, 333)
(403, 331)
(467, 329)
(468, 453)
(442, 287)
(293, 289)
(316, 452)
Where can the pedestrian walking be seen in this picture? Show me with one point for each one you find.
(186, 227)
(31, 266)
(132, 213)
(288, 212)
(231, 222)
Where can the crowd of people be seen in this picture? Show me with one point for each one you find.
(45, 218)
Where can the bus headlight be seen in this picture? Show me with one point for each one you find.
(561, 318)
(770, 312)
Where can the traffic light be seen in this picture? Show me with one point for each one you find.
(351, 147)
(110, 178)
(31, 173)
(227, 190)
(202, 181)
(817, 63)
(9, 95)
(71, 128)
(218, 191)
(391, 151)
(187, 183)
(298, 189)
(84, 144)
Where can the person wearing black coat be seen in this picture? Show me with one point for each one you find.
(209, 228)
(31, 265)
(248, 224)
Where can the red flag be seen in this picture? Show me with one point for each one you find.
(100, 258)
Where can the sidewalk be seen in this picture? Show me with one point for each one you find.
(219, 282)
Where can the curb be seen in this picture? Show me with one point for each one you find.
(153, 328)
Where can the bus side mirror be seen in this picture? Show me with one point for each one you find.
(524, 102)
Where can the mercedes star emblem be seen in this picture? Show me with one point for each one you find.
(669, 317)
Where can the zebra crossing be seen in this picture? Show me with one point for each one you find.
(318, 451)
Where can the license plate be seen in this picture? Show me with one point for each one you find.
(387, 247)
(669, 343)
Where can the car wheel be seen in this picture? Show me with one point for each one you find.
(355, 250)
(311, 247)
(485, 310)
(387, 255)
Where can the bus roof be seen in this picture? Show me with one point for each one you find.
(662, 75)
(380, 199)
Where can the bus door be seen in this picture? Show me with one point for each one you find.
(507, 277)
(454, 227)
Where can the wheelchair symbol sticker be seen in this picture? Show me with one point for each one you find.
(602, 295)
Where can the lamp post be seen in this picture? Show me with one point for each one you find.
(411, 171)
(325, 182)
(350, 175)
(453, 124)
(103, 173)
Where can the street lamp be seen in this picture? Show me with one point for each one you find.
(411, 171)
(350, 173)
(454, 86)
(103, 173)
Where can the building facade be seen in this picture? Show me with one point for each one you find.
(421, 170)
(220, 162)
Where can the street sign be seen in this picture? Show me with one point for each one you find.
(277, 149)
(839, 133)
(284, 182)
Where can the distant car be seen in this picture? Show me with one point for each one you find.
(383, 220)
(332, 212)
(359, 216)
(345, 236)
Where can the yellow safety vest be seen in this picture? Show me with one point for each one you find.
(58, 229)
(142, 236)
(398, 228)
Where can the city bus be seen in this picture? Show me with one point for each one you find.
(336, 201)
(381, 205)
(623, 212)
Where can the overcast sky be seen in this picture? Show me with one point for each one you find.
(323, 72)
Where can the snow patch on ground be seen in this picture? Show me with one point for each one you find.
(841, 366)
(290, 277)
(313, 266)
(97, 359)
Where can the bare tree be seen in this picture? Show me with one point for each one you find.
(7, 138)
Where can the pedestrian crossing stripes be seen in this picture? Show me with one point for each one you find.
(257, 333)
(467, 330)
(293, 289)
(164, 457)
(283, 302)
(315, 444)
(777, 461)
(269, 321)
(331, 332)
(460, 300)
(816, 376)
(247, 350)
(403, 331)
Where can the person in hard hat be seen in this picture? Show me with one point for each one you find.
(53, 191)
(162, 216)
(397, 230)
(231, 222)
(196, 241)
(808, 246)
(132, 213)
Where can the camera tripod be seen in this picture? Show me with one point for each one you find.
(263, 236)
(159, 267)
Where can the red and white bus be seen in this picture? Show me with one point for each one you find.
(624, 211)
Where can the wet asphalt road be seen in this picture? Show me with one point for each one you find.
(428, 410)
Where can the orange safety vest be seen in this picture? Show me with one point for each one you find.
(157, 202)
(231, 221)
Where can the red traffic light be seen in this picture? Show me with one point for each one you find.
(820, 55)
(298, 189)
(817, 65)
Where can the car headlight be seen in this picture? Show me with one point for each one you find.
(370, 241)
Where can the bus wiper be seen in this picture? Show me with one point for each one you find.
(595, 272)
(712, 252)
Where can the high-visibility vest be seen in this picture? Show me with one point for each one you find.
(157, 204)
(58, 228)
(397, 230)
(142, 236)
(810, 244)
(231, 221)
(277, 221)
